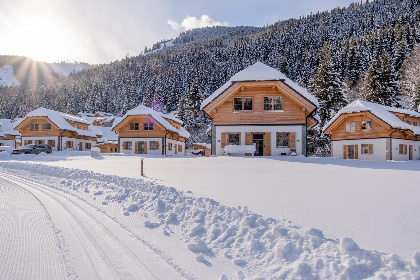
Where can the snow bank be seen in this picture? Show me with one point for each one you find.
(236, 149)
(257, 246)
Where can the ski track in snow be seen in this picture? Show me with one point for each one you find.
(97, 250)
(29, 246)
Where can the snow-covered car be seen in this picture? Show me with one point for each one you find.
(33, 149)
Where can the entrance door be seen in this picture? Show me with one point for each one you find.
(258, 141)
(141, 147)
(350, 151)
(410, 152)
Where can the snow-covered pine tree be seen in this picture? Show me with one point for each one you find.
(380, 83)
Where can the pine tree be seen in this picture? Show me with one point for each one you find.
(381, 82)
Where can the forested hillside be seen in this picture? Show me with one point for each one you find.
(352, 52)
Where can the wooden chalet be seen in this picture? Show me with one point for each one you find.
(64, 132)
(260, 106)
(143, 130)
(370, 131)
(8, 133)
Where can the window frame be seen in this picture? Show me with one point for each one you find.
(34, 127)
(156, 147)
(228, 138)
(351, 125)
(69, 146)
(148, 126)
(364, 125)
(170, 146)
(44, 126)
(243, 104)
(134, 127)
(277, 139)
(88, 146)
(273, 103)
(362, 147)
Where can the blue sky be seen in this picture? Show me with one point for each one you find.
(100, 31)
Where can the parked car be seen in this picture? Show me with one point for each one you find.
(33, 149)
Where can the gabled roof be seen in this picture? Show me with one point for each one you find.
(158, 116)
(7, 128)
(107, 134)
(260, 72)
(384, 113)
(61, 121)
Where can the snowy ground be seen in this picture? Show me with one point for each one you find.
(375, 203)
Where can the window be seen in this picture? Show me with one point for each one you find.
(88, 146)
(282, 139)
(69, 144)
(29, 142)
(350, 127)
(154, 145)
(134, 126)
(1, 144)
(367, 149)
(180, 148)
(51, 143)
(242, 104)
(402, 149)
(366, 125)
(234, 139)
(273, 103)
(34, 126)
(127, 145)
(148, 126)
(46, 126)
(39, 142)
(170, 146)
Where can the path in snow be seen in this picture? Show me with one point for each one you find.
(28, 242)
(94, 246)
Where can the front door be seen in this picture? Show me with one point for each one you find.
(141, 147)
(258, 142)
(350, 151)
(410, 152)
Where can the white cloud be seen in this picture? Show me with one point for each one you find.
(190, 22)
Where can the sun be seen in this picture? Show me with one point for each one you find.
(41, 37)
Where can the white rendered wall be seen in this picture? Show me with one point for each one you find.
(156, 152)
(76, 143)
(379, 148)
(10, 143)
(261, 128)
(395, 149)
(45, 138)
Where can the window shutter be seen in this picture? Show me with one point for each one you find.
(356, 151)
(292, 140)
(124, 145)
(405, 149)
(157, 145)
(53, 143)
(42, 141)
(223, 140)
(136, 147)
(145, 147)
(370, 148)
(267, 144)
(345, 151)
(25, 142)
(248, 138)
(401, 149)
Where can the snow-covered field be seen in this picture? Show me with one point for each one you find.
(264, 217)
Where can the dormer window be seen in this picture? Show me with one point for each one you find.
(34, 126)
(350, 127)
(242, 104)
(148, 126)
(366, 125)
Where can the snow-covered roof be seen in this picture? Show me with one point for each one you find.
(171, 116)
(61, 121)
(7, 128)
(107, 134)
(158, 116)
(260, 72)
(385, 113)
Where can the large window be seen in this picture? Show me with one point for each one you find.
(242, 104)
(350, 127)
(148, 126)
(402, 149)
(282, 139)
(34, 126)
(46, 126)
(273, 103)
(234, 139)
(134, 126)
(127, 145)
(366, 125)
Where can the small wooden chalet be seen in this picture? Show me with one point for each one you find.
(108, 142)
(143, 130)
(370, 131)
(8, 133)
(64, 132)
(260, 106)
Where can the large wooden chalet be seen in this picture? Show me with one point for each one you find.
(143, 130)
(64, 132)
(260, 106)
(370, 131)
